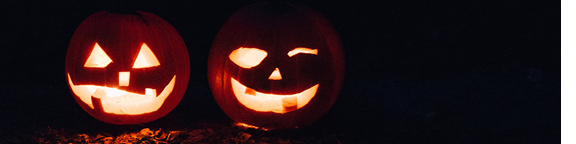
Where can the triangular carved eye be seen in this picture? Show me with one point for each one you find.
(98, 58)
(146, 58)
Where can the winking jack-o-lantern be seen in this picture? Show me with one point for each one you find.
(127, 68)
(276, 65)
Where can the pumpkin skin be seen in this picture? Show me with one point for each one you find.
(125, 38)
(276, 29)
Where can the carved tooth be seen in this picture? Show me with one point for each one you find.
(150, 92)
(97, 103)
(250, 91)
(290, 103)
(99, 93)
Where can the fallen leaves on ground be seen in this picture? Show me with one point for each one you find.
(208, 133)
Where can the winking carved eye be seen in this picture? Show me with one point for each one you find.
(302, 50)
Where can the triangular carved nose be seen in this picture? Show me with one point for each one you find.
(275, 75)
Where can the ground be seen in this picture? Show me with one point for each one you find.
(203, 133)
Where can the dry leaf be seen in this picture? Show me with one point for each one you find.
(162, 137)
(242, 137)
(146, 132)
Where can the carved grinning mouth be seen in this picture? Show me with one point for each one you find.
(122, 102)
(276, 103)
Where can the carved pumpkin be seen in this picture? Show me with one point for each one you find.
(127, 68)
(276, 65)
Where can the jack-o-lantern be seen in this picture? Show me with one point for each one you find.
(276, 65)
(127, 68)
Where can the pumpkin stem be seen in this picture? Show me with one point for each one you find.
(124, 7)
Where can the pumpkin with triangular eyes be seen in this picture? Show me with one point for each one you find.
(127, 68)
(276, 65)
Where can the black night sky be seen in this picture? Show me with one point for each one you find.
(417, 71)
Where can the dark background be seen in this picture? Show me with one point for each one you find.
(417, 71)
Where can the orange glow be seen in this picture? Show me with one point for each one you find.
(244, 125)
(124, 78)
(122, 102)
(264, 102)
(275, 75)
(247, 57)
(98, 58)
(146, 58)
(302, 50)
